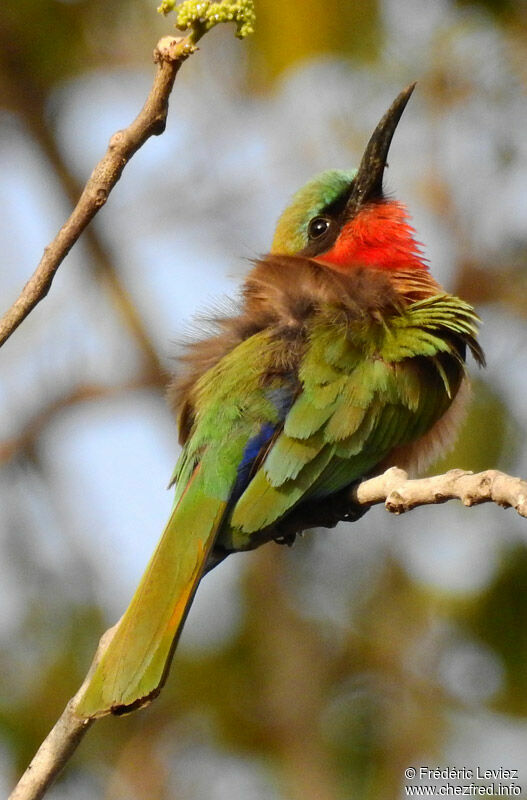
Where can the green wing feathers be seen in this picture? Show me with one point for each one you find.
(367, 388)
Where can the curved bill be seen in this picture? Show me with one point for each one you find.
(368, 180)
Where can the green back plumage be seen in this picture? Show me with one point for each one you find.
(230, 407)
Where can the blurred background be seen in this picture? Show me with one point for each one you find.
(320, 672)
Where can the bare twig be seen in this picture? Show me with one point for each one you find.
(52, 755)
(399, 494)
(169, 55)
(393, 488)
(25, 93)
(60, 743)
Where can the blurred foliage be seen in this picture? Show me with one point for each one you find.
(506, 286)
(324, 709)
(64, 658)
(500, 8)
(287, 33)
(48, 41)
(500, 620)
(487, 412)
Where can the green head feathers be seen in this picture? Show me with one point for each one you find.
(324, 189)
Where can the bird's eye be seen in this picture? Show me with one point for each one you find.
(318, 227)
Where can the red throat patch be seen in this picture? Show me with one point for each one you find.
(380, 237)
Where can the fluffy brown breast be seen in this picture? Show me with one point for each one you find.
(283, 292)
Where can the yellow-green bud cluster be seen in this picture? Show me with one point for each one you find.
(207, 14)
(166, 6)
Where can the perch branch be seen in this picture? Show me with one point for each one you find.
(393, 488)
(169, 54)
(400, 494)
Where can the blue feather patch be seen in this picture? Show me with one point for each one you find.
(250, 454)
(282, 400)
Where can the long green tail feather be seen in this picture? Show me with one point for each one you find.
(134, 667)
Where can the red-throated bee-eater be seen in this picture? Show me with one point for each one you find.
(345, 357)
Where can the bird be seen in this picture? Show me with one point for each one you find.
(344, 357)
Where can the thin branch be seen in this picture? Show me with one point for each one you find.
(52, 755)
(399, 494)
(60, 743)
(169, 54)
(26, 95)
(393, 488)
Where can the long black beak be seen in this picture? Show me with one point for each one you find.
(367, 185)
